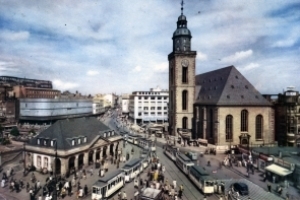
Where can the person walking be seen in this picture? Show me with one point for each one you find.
(174, 184)
(124, 196)
(180, 191)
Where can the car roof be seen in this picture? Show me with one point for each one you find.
(241, 184)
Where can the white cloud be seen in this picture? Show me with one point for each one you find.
(290, 40)
(14, 36)
(61, 85)
(249, 66)
(92, 73)
(201, 56)
(162, 67)
(137, 69)
(237, 56)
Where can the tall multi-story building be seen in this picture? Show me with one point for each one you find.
(125, 104)
(149, 106)
(182, 64)
(287, 117)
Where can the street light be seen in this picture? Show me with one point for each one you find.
(55, 171)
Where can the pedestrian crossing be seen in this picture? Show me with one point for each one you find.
(255, 192)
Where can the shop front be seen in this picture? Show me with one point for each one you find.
(277, 174)
(263, 161)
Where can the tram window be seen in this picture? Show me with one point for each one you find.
(96, 190)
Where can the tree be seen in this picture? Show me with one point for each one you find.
(14, 131)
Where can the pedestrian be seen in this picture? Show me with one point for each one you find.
(86, 190)
(124, 196)
(174, 184)
(180, 191)
(265, 177)
(269, 187)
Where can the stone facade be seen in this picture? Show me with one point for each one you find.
(211, 124)
(42, 158)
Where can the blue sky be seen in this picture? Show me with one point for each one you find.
(122, 46)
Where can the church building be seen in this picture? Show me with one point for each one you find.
(219, 107)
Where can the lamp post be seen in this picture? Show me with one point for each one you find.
(55, 171)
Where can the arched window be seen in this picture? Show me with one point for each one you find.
(184, 74)
(229, 128)
(244, 121)
(258, 127)
(171, 75)
(184, 100)
(184, 122)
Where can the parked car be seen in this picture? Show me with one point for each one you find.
(241, 188)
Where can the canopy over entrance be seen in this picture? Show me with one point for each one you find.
(276, 169)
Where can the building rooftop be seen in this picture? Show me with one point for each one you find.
(227, 87)
(64, 131)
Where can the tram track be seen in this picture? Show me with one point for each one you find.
(178, 175)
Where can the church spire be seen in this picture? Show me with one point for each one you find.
(182, 35)
(182, 3)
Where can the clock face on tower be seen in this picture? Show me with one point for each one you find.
(185, 63)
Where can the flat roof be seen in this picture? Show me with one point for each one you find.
(184, 157)
(276, 169)
(103, 181)
(132, 163)
(200, 170)
(150, 193)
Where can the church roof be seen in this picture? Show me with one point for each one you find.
(227, 87)
(64, 131)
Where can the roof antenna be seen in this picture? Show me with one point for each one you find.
(182, 7)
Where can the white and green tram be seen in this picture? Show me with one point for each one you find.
(108, 185)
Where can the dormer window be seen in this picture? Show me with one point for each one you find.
(45, 142)
(104, 135)
(112, 133)
(73, 142)
(108, 134)
(52, 142)
(38, 141)
(79, 140)
(84, 139)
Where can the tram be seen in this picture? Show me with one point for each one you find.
(183, 162)
(200, 177)
(131, 169)
(147, 144)
(108, 185)
(171, 152)
(133, 138)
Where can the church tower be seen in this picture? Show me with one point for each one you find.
(182, 64)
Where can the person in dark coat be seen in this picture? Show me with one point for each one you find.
(85, 190)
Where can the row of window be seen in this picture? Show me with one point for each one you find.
(152, 113)
(153, 108)
(153, 98)
(244, 125)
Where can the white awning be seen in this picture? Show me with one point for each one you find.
(276, 169)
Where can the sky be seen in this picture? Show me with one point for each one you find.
(121, 46)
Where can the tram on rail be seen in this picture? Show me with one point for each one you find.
(133, 138)
(147, 144)
(200, 177)
(131, 169)
(171, 151)
(183, 162)
(108, 185)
